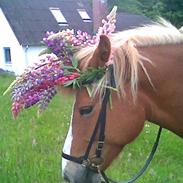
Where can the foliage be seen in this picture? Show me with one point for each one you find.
(126, 5)
(91, 75)
(171, 10)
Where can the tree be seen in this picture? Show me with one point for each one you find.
(126, 5)
(171, 10)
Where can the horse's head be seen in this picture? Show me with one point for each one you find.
(119, 128)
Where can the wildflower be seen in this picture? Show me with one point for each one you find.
(38, 82)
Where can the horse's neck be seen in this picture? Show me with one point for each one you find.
(165, 101)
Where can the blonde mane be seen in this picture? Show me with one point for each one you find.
(126, 58)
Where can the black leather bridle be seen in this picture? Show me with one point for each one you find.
(95, 162)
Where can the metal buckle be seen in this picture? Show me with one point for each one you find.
(100, 145)
(86, 163)
(96, 161)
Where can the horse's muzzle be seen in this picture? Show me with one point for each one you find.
(76, 173)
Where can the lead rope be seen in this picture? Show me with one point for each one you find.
(147, 163)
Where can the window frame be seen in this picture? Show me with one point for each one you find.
(84, 15)
(7, 55)
(58, 15)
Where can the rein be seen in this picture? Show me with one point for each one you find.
(143, 169)
(95, 162)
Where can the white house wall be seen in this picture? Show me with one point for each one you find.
(31, 54)
(8, 39)
(20, 56)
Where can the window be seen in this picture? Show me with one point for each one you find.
(84, 15)
(7, 55)
(59, 16)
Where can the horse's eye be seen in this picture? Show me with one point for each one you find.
(85, 110)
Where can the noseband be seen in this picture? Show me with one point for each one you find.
(95, 162)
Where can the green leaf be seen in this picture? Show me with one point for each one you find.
(74, 62)
(74, 84)
(89, 90)
(77, 84)
(45, 51)
(10, 87)
(69, 83)
(71, 68)
(112, 88)
(110, 101)
(68, 67)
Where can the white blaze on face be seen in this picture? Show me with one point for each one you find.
(67, 144)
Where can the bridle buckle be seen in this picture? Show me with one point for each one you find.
(100, 145)
(96, 161)
(86, 163)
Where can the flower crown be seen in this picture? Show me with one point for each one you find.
(57, 66)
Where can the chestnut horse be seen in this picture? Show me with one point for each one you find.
(148, 75)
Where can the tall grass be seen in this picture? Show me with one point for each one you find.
(30, 146)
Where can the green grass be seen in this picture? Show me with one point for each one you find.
(30, 147)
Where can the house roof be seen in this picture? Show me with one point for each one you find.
(31, 19)
(129, 20)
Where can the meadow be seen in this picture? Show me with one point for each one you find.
(30, 146)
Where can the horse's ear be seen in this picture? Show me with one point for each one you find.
(104, 49)
(102, 52)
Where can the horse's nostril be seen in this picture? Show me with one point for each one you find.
(75, 173)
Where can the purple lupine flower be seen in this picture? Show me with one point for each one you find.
(37, 84)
